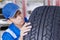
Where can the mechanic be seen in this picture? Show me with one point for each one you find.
(18, 28)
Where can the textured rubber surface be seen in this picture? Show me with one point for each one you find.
(45, 24)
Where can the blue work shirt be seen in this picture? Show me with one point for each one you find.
(12, 33)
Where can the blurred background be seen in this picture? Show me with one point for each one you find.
(26, 6)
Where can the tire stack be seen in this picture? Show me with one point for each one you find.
(45, 21)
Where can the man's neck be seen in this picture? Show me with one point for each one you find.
(19, 25)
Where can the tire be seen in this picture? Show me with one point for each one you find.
(45, 21)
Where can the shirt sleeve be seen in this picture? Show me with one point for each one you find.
(7, 36)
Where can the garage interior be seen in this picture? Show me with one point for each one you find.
(27, 7)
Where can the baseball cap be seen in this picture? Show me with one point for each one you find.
(9, 10)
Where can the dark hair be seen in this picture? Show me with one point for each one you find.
(17, 13)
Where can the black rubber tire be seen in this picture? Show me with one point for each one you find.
(45, 24)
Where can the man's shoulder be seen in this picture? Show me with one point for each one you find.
(6, 36)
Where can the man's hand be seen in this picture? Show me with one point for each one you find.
(25, 29)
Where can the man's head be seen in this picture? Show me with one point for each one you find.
(12, 13)
(17, 18)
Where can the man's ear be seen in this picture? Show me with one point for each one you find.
(9, 22)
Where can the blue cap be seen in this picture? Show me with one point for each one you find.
(9, 10)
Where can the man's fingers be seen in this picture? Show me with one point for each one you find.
(27, 30)
(26, 24)
(29, 27)
(25, 34)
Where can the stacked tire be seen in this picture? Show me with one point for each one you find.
(45, 21)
